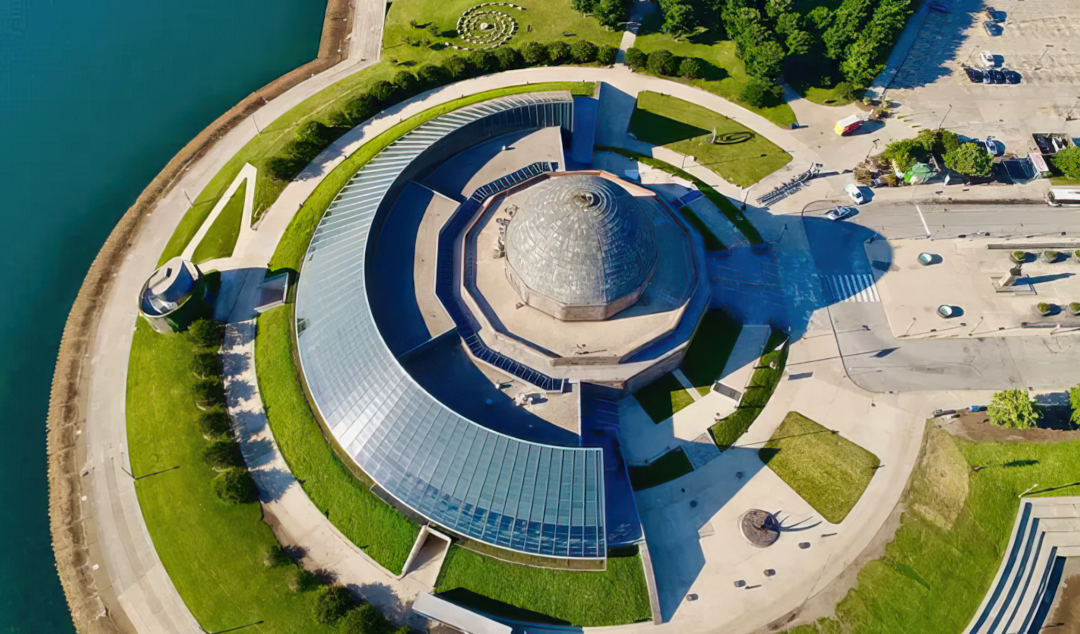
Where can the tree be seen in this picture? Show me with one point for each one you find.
(207, 333)
(636, 58)
(315, 133)
(223, 454)
(799, 42)
(383, 91)
(903, 154)
(205, 364)
(558, 52)
(507, 57)
(846, 27)
(766, 61)
(678, 20)
(610, 12)
(361, 108)
(759, 93)
(365, 620)
(949, 141)
(691, 68)
(662, 62)
(456, 67)
(332, 604)
(583, 6)
(301, 580)
(483, 62)
(431, 74)
(820, 18)
(1013, 409)
(535, 54)
(283, 168)
(787, 23)
(607, 54)
(774, 8)
(970, 159)
(1074, 402)
(406, 82)
(858, 66)
(235, 486)
(215, 424)
(583, 52)
(208, 393)
(1068, 161)
(276, 556)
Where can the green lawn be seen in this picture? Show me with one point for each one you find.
(739, 156)
(725, 74)
(211, 550)
(549, 20)
(828, 471)
(726, 207)
(221, 237)
(383, 533)
(673, 464)
(615, 596)
(710, 349)
(763, 383)
(952, 536)
(663, 397)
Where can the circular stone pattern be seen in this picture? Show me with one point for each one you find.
(759, 528)
(487, 26)
(581, 240)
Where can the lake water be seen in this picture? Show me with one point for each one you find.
(95, 98)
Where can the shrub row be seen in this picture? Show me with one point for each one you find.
(314, 137)
(756, 92)
(726, 431)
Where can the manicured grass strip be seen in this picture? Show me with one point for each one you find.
(763, 383)
(290, 251)
(383, 533)
(212, 551)
(953, 534)
(725, 74)
(739, 155)
(827, 470)
(710, 349)
(613, 597)
(712, 243)
(722, 203)
(663, 397)
(221, 237)
(666, 468)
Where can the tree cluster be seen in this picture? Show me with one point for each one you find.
(856, 36)
(665, 63)
(1068, 162)
(608, 13)
(314, 137)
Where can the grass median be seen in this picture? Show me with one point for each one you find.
(212, 551)
(770, 369)
(738, 155)
(827, 470)
(220, 238)
(952, 535)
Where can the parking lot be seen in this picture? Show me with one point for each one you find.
(1036, 38)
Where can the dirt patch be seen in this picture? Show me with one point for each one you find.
(976, 426)
(72, 535)
(1065, 616)
(939, 485)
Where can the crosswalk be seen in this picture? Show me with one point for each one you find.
(850, 288)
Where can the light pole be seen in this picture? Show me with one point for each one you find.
(746, 195)
(945, 117)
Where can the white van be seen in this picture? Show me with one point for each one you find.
(1058, 196)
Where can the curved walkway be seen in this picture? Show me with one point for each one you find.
(130, 564)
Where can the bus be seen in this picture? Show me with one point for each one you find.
(1058, 196)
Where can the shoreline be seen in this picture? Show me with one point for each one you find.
(71, 521)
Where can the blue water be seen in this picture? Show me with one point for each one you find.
(95, 98)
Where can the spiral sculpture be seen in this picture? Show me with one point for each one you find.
(487, 25)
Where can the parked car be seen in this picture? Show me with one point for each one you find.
(987, 59)
(1011, 75)
(839, 213)
(855, 193)
(991, 13)
(997, 76)
(993, 29)
(974, 75)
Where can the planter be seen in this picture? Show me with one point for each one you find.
(1044, 309)
(1018, 257)
(1051, 256)
(1074, 308)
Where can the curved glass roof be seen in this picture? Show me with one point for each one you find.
(490, 487)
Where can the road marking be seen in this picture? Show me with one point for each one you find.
(923, 221)
(841, 289)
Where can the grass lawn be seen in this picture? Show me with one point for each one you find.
(739, 156)
(383, 533)
(709, 351)
(937, 569)
(550, 20)
(725, 73)
(726, 207)
(221, 237)
(673, 464)
(763, 383)
(828, 471)
(211, 550)
(663, 397)
(615, 596)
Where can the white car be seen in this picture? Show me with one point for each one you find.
(839, 213)
(852, 190)
(987, 59)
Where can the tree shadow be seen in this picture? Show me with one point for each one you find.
(657, 129)
(468, 599)
(272, 483)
